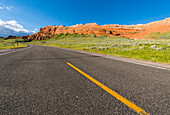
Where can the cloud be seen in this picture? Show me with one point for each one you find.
(13, 28)
(6, 7)
(36, 29)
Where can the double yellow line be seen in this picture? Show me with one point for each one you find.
(113, 93)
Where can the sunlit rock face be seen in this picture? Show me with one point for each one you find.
(138, 31)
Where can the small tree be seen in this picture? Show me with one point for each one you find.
(5, 44)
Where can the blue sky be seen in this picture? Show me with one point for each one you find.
(34, 14)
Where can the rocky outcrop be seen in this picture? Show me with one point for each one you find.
(138, 31)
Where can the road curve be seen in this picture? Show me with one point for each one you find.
(38, 80)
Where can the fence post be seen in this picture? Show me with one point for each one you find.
(17, 43)
(13, 44)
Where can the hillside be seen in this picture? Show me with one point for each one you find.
(158, 35)
(139, 31)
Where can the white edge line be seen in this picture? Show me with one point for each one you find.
(15, 50)
(109, 57)
(139, 63)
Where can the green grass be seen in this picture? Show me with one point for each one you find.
(13, 47)
(158, 35)
(119, 46)
(67, 35)
(11, 43)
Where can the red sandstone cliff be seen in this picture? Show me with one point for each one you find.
(130, 31)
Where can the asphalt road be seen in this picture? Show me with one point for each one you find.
(38, 80)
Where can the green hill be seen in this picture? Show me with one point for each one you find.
(158, 35)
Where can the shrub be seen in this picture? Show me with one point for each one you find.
(58, 36)
(82, 35)
(66, 28)
(103, 36)
(93, 35)
(67, 34)
(103, 30)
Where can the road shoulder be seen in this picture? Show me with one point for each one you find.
(129, 60)
(7, 51)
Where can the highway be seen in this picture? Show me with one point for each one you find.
(49, 80)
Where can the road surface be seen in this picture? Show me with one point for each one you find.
(39, 80)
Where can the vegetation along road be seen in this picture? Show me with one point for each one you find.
(50, 80)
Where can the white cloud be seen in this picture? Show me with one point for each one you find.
(6, 7)
(36, 29)
(13, 28)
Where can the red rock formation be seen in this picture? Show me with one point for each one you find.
(130, 31)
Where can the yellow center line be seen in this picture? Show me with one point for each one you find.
(113, 93)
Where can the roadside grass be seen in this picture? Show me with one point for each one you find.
(156, 50)
(11, 43)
